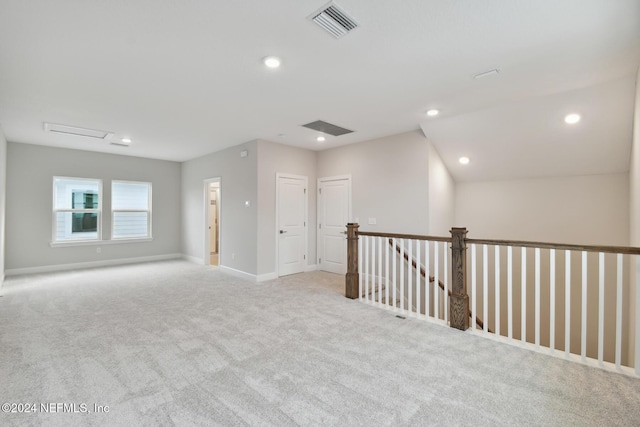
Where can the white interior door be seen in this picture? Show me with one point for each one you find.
(334, 210)
(292, 219)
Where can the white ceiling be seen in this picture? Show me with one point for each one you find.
(184, 79)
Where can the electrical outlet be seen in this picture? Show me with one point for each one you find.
(233, 256)
(372, 221)
(98, 250)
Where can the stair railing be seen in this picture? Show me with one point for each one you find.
(578, 302)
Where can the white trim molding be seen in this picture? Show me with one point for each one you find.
(91, 264)
(267, 276)
(193, 259)
(238, 273)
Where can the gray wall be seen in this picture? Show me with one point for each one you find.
(442, 194)
(30, 172)
(3, 190)
(389, 181)
(238, 223)
(277, 158)
(634, 208)
(590, 210)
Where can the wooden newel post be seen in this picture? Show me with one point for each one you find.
(352, 278)
(459, 301)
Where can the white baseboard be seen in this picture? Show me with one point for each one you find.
(273, 275)
(268, 276)
(193, 259)
(260, 277)
(238, 273)
(91, 264)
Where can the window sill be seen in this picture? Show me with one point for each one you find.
(98, 242)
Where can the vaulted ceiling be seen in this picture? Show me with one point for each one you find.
(183, 79)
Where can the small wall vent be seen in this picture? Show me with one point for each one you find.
(334, 20)
(73, 130)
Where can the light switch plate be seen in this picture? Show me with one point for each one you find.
(372, 221)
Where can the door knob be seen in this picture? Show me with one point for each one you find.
(282, 231)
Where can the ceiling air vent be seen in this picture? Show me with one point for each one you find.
(72, 130)
(334, 20)
(327, 128)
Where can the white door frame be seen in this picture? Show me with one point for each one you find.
(207, 206)
(318, 216)
(306, 217)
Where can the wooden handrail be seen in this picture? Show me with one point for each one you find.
(561, 246)
(628, 250)
(432, 279)
(404, 236)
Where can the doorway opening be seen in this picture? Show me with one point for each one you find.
(212, 215)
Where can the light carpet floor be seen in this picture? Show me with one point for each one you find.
(175, 343)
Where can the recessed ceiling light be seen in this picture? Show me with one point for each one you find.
(126, 140)
(572, 118)
(320, 139)
(272, 61)
(464, 160)
(433, 113)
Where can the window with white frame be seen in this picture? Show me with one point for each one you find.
(77, 208)
(130, 210)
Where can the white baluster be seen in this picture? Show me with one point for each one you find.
(474, 310)
(436, 291)
(386, 273)
(373, 269)
(510, 292)
(380, 243)
(567, 303)
(485, 287)
(537, 296)
(601, 309)
(427, 283)
(496, 309)
(619, 277)
(366, 268)
(583, 335)
(360, 271)
(393, 274)
(552, 299)
(445, 298)
(401, 274)
(636, 260)
(410, 277)
(523, 297)
(418, 277)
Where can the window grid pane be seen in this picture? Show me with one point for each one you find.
(131, 216)
(73, 193)
(130, 196)
(66, 229)
(77, 209)
(130, 224)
